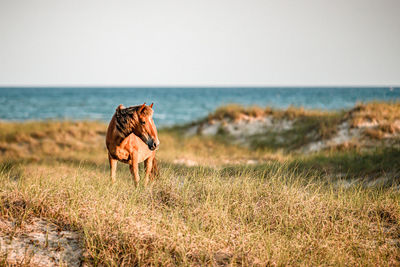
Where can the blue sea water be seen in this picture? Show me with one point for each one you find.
(172, 105)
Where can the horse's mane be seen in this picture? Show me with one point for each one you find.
(127, 119)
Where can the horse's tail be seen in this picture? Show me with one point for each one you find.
(155, 172)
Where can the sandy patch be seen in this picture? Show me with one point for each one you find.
(40, 244)
(186, 162)
(241, 129)
(345, 134)
(245, 129)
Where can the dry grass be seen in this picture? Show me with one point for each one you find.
(236, 112)
(276, 213)
(325, 122)
(209, 151)
(378, 124)
(383, 130)
(374, 112)
(35, 140)
(292, 113)
(200, 216)
(382, 119)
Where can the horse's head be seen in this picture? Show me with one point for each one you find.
(146, 129)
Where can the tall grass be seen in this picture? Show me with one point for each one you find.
(282, 211)
(197, 216)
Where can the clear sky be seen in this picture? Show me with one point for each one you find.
(200, 43)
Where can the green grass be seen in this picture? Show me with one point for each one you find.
(305, 130)
(381, 165)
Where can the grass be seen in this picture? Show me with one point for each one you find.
(281, 211)
(322, 125)
(386, 113)
(202, 217)
(370, 164)
(235, 112)
(378, 122)
(375, 111)
(306, 129)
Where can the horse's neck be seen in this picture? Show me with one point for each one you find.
(119, 139)
(125, 126)
(126, 133)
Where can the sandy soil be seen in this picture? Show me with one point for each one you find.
(40, 244)
(241, 130)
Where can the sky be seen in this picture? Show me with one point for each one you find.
(199, 43)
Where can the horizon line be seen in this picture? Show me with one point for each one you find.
(199, 86)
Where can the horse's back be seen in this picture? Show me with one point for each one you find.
(110, 134)
(112, 138)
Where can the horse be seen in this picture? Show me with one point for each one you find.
(132, 138)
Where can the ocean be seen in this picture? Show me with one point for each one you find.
(173, 105)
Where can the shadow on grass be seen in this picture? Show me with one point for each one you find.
(272, 170)
(188, 171)
(352, 164)
(13, 168)
(82, 163)
(329, 166)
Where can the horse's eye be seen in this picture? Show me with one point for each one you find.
(142, 122)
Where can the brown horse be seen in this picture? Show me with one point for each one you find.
(132, 138)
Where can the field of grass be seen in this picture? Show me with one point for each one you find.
(286, 209)
(374, 124)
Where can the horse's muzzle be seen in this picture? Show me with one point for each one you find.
(152, 145)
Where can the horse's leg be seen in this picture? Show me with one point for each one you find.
(134, 168)
(148, 165)
(113, 167)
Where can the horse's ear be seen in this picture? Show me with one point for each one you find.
(151, 105)
(120, 107)
(142, 107)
